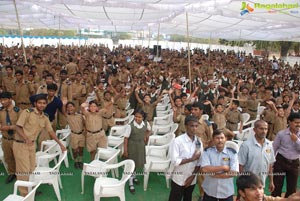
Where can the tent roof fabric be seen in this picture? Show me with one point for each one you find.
(229, 19)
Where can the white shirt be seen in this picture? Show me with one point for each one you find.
(139, 126)
(183, 148)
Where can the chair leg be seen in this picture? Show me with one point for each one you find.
(146, 178)
(66, 162)
(167, 180)
(82, 182)
(97, 197)
(71, 153)
(59, 181)
(56, 188)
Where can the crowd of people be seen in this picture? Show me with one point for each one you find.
(87, 87)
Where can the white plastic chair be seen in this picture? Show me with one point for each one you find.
(47, 175)
(116, 136)
(102, 158)
(246, 133)
(164, 129)
(157, 160)
(246, 118)
(233, 145)
(162, 121)
(260, 110)
(2, 157)
(126, 120)
(44, 157)
(29, 197)
(111, 187)
(159, 140)
(205, 117)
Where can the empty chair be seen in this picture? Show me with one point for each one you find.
(246, 133)
(125, 120)
(164, 129)
(48, 175)
(2, 157)
(44, 157)
(111, 187)
(29, 197)
(102, 158)
(233, 145)
(157, 160)
(246, 118)
(116, 136)
(162, 121)
(158, 140)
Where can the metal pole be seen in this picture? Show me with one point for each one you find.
(189, 52)
(157, 40)
(59, 42)
(21, 32)
(149, 38)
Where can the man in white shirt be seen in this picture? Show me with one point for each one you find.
(185, 152)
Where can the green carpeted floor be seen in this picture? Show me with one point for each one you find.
(71, 180)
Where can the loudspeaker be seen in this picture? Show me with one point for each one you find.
(157, 50)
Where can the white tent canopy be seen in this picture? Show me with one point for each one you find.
(228, 19)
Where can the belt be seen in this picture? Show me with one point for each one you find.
(232, 122)
(5, 138)
(94, 132)
(78, 133)
(25, 103)
(108, 117)
(252, 110)
(22, 141)
(287, 160)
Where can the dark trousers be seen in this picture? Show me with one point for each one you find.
(209, 198)
(284, 167)
(179, 193)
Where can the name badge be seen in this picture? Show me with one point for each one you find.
(226, 159)
(268, 151)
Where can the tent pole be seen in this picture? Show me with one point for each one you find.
(149, 37)
(189, 52)
(21, 32)
(59, 42)
(157, 40)
(209, 50)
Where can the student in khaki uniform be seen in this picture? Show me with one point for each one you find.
(8, 118)
(178, 115)
(146, 105)
(23, 91)
(30, 123)
(64, 90)
(93, 123)
(99, 90)
(78, 90)
(48, 80)
(268, 116)
(76, 123)
(233, 117)
(8, 82)
(121, 100)
(108, 119)
(252, 105)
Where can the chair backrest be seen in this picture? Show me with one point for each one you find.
(62, 157)
(246, 117)
(129, 166)
(129, 112)
(120, 130)
(158, 151)
(232, 145)
(260, 110)
(205, 117)
(31, 195)
(109, 155)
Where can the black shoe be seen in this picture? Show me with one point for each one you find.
(132, 189)
(10, 178)
(76, 165)
(136, 181)
(80, 165)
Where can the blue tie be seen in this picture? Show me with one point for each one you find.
(8, 122)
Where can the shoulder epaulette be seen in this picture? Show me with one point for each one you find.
(83, 83)
(47, 115)
(29, 110)
(231, 149)
(207, 148)
(207, 122)
(16, 109)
